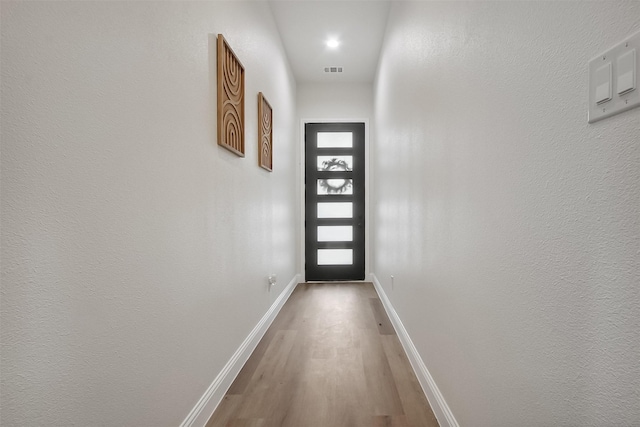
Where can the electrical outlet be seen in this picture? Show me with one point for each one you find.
(273, 279)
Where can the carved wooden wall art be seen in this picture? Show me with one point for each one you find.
(230, 99)
(265, 133)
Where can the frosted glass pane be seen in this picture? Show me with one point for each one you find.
(335, 140)
(335, 163)
(335, 256)
(335, 186)
(335, 210)
(335, 233)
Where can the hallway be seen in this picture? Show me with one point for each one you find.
(330, 358)
(141, 261)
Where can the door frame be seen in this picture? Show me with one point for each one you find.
(367, 172)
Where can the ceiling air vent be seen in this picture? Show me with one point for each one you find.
(332, 69)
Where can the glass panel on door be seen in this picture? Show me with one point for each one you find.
(335, 139)
(335, 256)
(335, 210)
(335, 186)
(335, 233)
(335, 163)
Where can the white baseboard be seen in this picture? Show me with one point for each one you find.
(436, 400)
(200, 414)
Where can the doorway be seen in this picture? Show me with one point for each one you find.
(334, 201)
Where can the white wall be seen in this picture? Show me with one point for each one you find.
(511, 225)
(134, 249)
(335, 100)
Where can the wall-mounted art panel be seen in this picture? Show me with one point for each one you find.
(265, 133)
(230, 99)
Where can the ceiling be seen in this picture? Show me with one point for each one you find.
(306, 25)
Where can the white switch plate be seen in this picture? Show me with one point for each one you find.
(618, 102)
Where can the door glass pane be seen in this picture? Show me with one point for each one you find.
(335, 163)
(335, 233)
(335, 186)
(335, 210)
(335, 256)
(335, 139)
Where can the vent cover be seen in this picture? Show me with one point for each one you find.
(332, 69)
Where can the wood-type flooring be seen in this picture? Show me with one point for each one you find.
(331, 358)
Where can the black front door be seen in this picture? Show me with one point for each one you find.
(334, 201)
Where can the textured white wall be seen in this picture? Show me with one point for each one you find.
(511, 225)
(335, 100)
(134, 249)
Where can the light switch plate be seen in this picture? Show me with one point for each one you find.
(619, 58)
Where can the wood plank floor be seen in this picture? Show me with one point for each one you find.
(331, 358)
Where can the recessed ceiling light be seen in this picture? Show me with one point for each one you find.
(333, 43)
